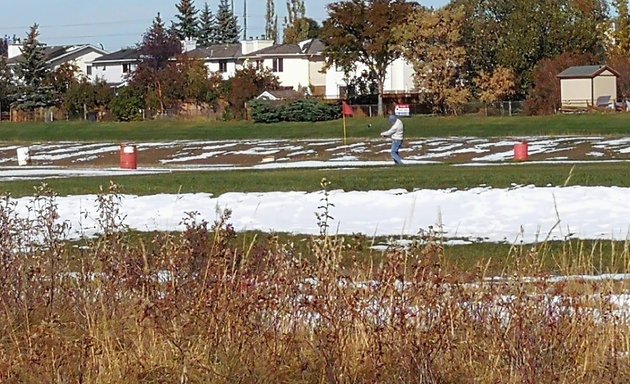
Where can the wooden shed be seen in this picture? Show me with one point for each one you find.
(588, 86)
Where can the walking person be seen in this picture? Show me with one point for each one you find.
(396, 134)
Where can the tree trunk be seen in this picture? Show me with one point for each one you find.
(380, 97)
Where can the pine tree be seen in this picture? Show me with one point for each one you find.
(228, 30)
(159, 45)
(32, 72)
(186, 27)
(207, 27)
(271, 25)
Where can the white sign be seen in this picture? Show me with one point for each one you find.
(402, 110)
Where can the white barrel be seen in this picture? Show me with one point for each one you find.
(23, 156)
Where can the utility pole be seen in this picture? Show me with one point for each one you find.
(244, 19)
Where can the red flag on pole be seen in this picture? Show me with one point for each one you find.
(346, 109)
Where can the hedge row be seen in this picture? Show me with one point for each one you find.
(264, 111)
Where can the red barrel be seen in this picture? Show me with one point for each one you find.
(128, 156)
(520, 151)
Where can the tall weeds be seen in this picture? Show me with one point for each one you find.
(197, 307)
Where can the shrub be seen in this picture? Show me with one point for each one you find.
(127, 105)
(298, 110)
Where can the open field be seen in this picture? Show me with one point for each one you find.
(171, 276)
(420, 126)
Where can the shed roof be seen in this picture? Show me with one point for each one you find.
(585, 71)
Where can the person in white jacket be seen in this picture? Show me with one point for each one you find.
(396, 133)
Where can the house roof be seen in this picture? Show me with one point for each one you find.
(585, 71)
(280, 94)
(307, 47)
(216, 52)
(126, 54)
(58, 52)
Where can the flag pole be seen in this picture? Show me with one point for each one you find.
(344, 128)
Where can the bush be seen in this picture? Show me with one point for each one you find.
(298, 110)
(127, 105)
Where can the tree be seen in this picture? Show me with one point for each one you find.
(127, 105)
(186, 25)
(300, 30)
(295, 28)
(271, 22)
(228, 30)
(496, 86)
(32, 72)
(246, 84)
(621, 30)
(7, 86)
(360, 32)
(157, 74)
(84, 97)
(621, 63)
(207, 27)
(517, 34)
(432, 42)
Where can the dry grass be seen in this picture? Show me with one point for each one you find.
(194, 307)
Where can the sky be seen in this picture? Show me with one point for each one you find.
(116, 24)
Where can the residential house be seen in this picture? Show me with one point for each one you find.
(227, 58)
(115, 68)
(79, 55)
(298, 66)
(588, 86)
(399, 78)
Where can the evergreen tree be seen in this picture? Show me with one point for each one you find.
(207, 27)
(271, 25)
(7, 87)
(32, 72)
(186, 26)
(159, 45)
(228, 30)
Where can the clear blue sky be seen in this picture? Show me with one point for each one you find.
(120, 23)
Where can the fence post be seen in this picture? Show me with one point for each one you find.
(509, 107)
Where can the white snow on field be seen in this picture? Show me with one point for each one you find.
(523, 214)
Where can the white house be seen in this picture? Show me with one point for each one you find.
(227, 58)
(297, 66)
(79, 55)
(398, 79)
(115, 68)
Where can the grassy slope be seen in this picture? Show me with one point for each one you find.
(421, 126)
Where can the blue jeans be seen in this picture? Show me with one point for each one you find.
(396, 144)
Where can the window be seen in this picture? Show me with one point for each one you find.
(223, 66)
(278, 65)
(259, 64)
(125, 68)
(88, 70)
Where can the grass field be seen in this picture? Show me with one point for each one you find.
(362, 179)
(420, 126)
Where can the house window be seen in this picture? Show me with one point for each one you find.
(88, 70)
(259, 64)
(125, 68)
(222, 66)
(278, 65)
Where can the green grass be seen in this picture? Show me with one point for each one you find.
(408, 177)
(419, 126)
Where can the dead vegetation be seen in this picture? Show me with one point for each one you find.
(194, 307)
